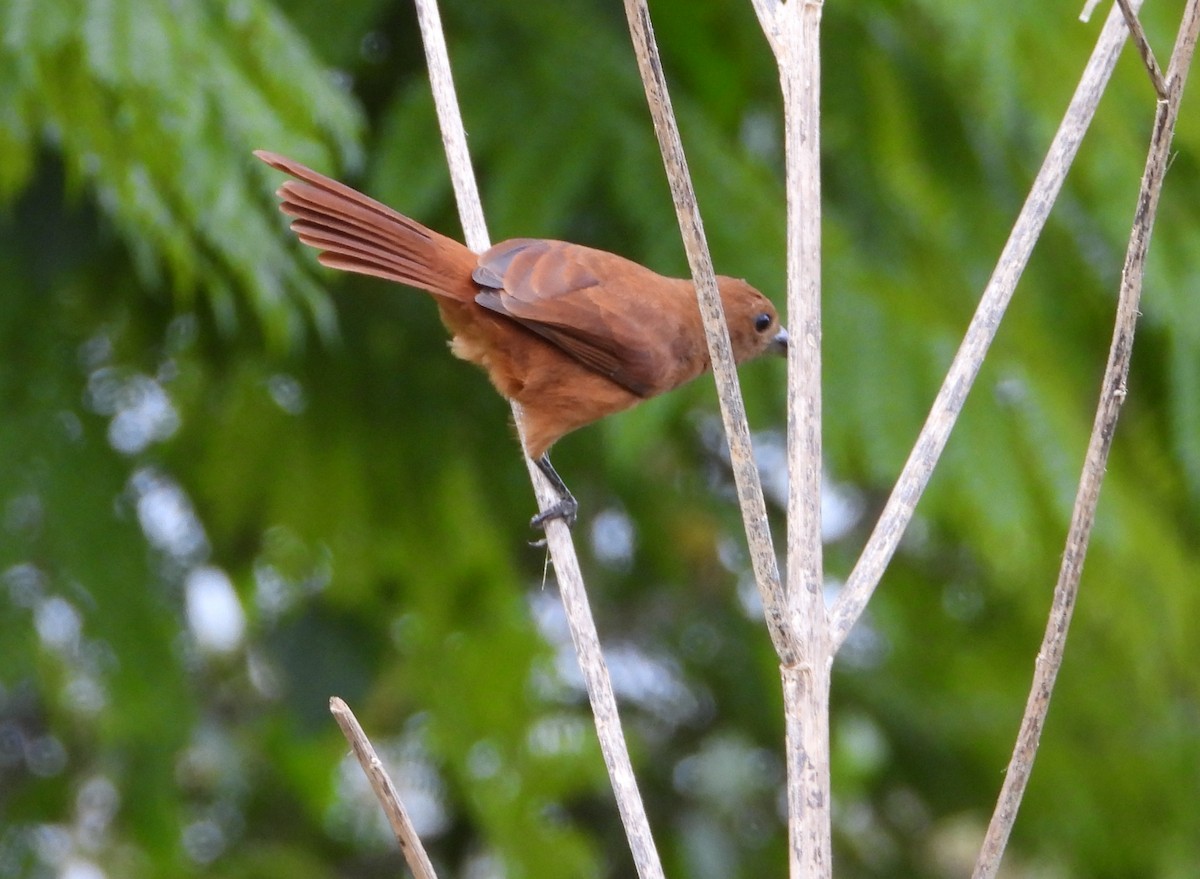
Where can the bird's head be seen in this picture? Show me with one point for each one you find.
(754, 326)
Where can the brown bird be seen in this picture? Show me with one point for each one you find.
(570, 333)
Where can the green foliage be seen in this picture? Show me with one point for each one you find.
(154, 108)
(187, 412)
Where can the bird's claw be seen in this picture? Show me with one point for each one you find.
(565, 508)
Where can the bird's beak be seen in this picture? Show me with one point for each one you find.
(779, 343)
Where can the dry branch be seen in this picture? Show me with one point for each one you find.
(389, 798)
(982, 330)
(802, 634)
(793, 32)
(1143, 46)
(558, 535)
(716, 331)
(454, 134)
(470, 212)
(796, 618)
(1112, 396)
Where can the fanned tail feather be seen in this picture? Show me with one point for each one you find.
(355, 233)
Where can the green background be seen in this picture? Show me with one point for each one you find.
(187, 402)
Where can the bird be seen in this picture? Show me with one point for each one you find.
(570, 333)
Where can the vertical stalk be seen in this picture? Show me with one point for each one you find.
(805, 684)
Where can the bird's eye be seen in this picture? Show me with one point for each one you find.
(763, 322)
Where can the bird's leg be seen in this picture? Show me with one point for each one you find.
(565, 508)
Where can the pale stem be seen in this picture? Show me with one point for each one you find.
(793, 32)
(729, 393)
(389, 798)
(898, 511)
(1112, 396)
(558, 535)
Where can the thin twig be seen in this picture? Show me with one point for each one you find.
(470, 212)
(733, 412)
(1112, 396)
(770, 17)
(1143, 47)
(982, 330)
(558, 535)
(608, 723)
(454, 133)
(410, 844)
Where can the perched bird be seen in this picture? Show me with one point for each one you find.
(570, 333)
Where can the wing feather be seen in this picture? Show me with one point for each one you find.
(554, 289)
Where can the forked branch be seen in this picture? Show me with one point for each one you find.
(804, 638)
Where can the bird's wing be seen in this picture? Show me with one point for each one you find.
(584, 301)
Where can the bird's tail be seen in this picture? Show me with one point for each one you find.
(355, 233)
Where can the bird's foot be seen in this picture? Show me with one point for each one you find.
(565, 508)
